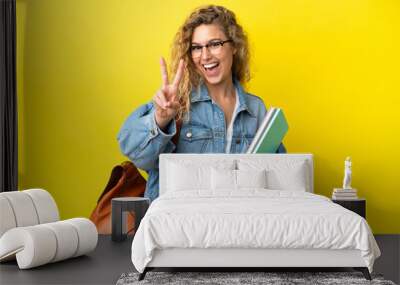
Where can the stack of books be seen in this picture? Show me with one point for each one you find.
(271, 132)
(344, 194)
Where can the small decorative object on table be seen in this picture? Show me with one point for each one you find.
(120, 207)
(347, 192)
(347, 196)
(347, 173)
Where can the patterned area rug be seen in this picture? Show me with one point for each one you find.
(243, 278)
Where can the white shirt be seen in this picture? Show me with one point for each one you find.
(229, 130)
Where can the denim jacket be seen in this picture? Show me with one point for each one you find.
(142, 140)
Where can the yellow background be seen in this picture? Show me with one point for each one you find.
(333, 66)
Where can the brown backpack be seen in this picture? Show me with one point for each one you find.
(125, 181)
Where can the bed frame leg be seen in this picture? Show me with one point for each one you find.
(143, 274)
(364, 271)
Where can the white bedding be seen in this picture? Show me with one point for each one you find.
(251, 218)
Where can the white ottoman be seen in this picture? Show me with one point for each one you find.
(31, 232)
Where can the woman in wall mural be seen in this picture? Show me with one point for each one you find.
(210, 62)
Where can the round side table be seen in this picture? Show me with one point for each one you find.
(119, 208)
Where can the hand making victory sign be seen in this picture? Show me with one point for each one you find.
(166, 100)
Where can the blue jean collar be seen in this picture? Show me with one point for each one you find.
(201, 94)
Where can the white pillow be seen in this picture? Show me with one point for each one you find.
(295, 178)
(223, 179)
(281, 174)
(251, 178)
(185, 175)
(183, 178)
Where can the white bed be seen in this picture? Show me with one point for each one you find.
(202, 220)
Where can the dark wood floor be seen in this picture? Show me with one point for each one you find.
(389, 262)
(110, 260)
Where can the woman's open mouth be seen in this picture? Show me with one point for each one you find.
(211, 69)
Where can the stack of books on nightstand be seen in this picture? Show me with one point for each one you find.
(344, 194)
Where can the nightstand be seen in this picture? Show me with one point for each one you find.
(119, 208)
(357, 206)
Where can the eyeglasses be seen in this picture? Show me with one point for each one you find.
(213, 47)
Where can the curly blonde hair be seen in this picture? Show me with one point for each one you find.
(191, 79)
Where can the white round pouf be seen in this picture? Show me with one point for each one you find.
(46, 207)
(7, 218)
(40, 244)
(23, 208)
(87, 233)
(67, 240)
(30, 230)
(33, 246)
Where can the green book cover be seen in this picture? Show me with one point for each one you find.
(261, 129)
(272, 135)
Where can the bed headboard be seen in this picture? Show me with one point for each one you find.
(166, 158)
